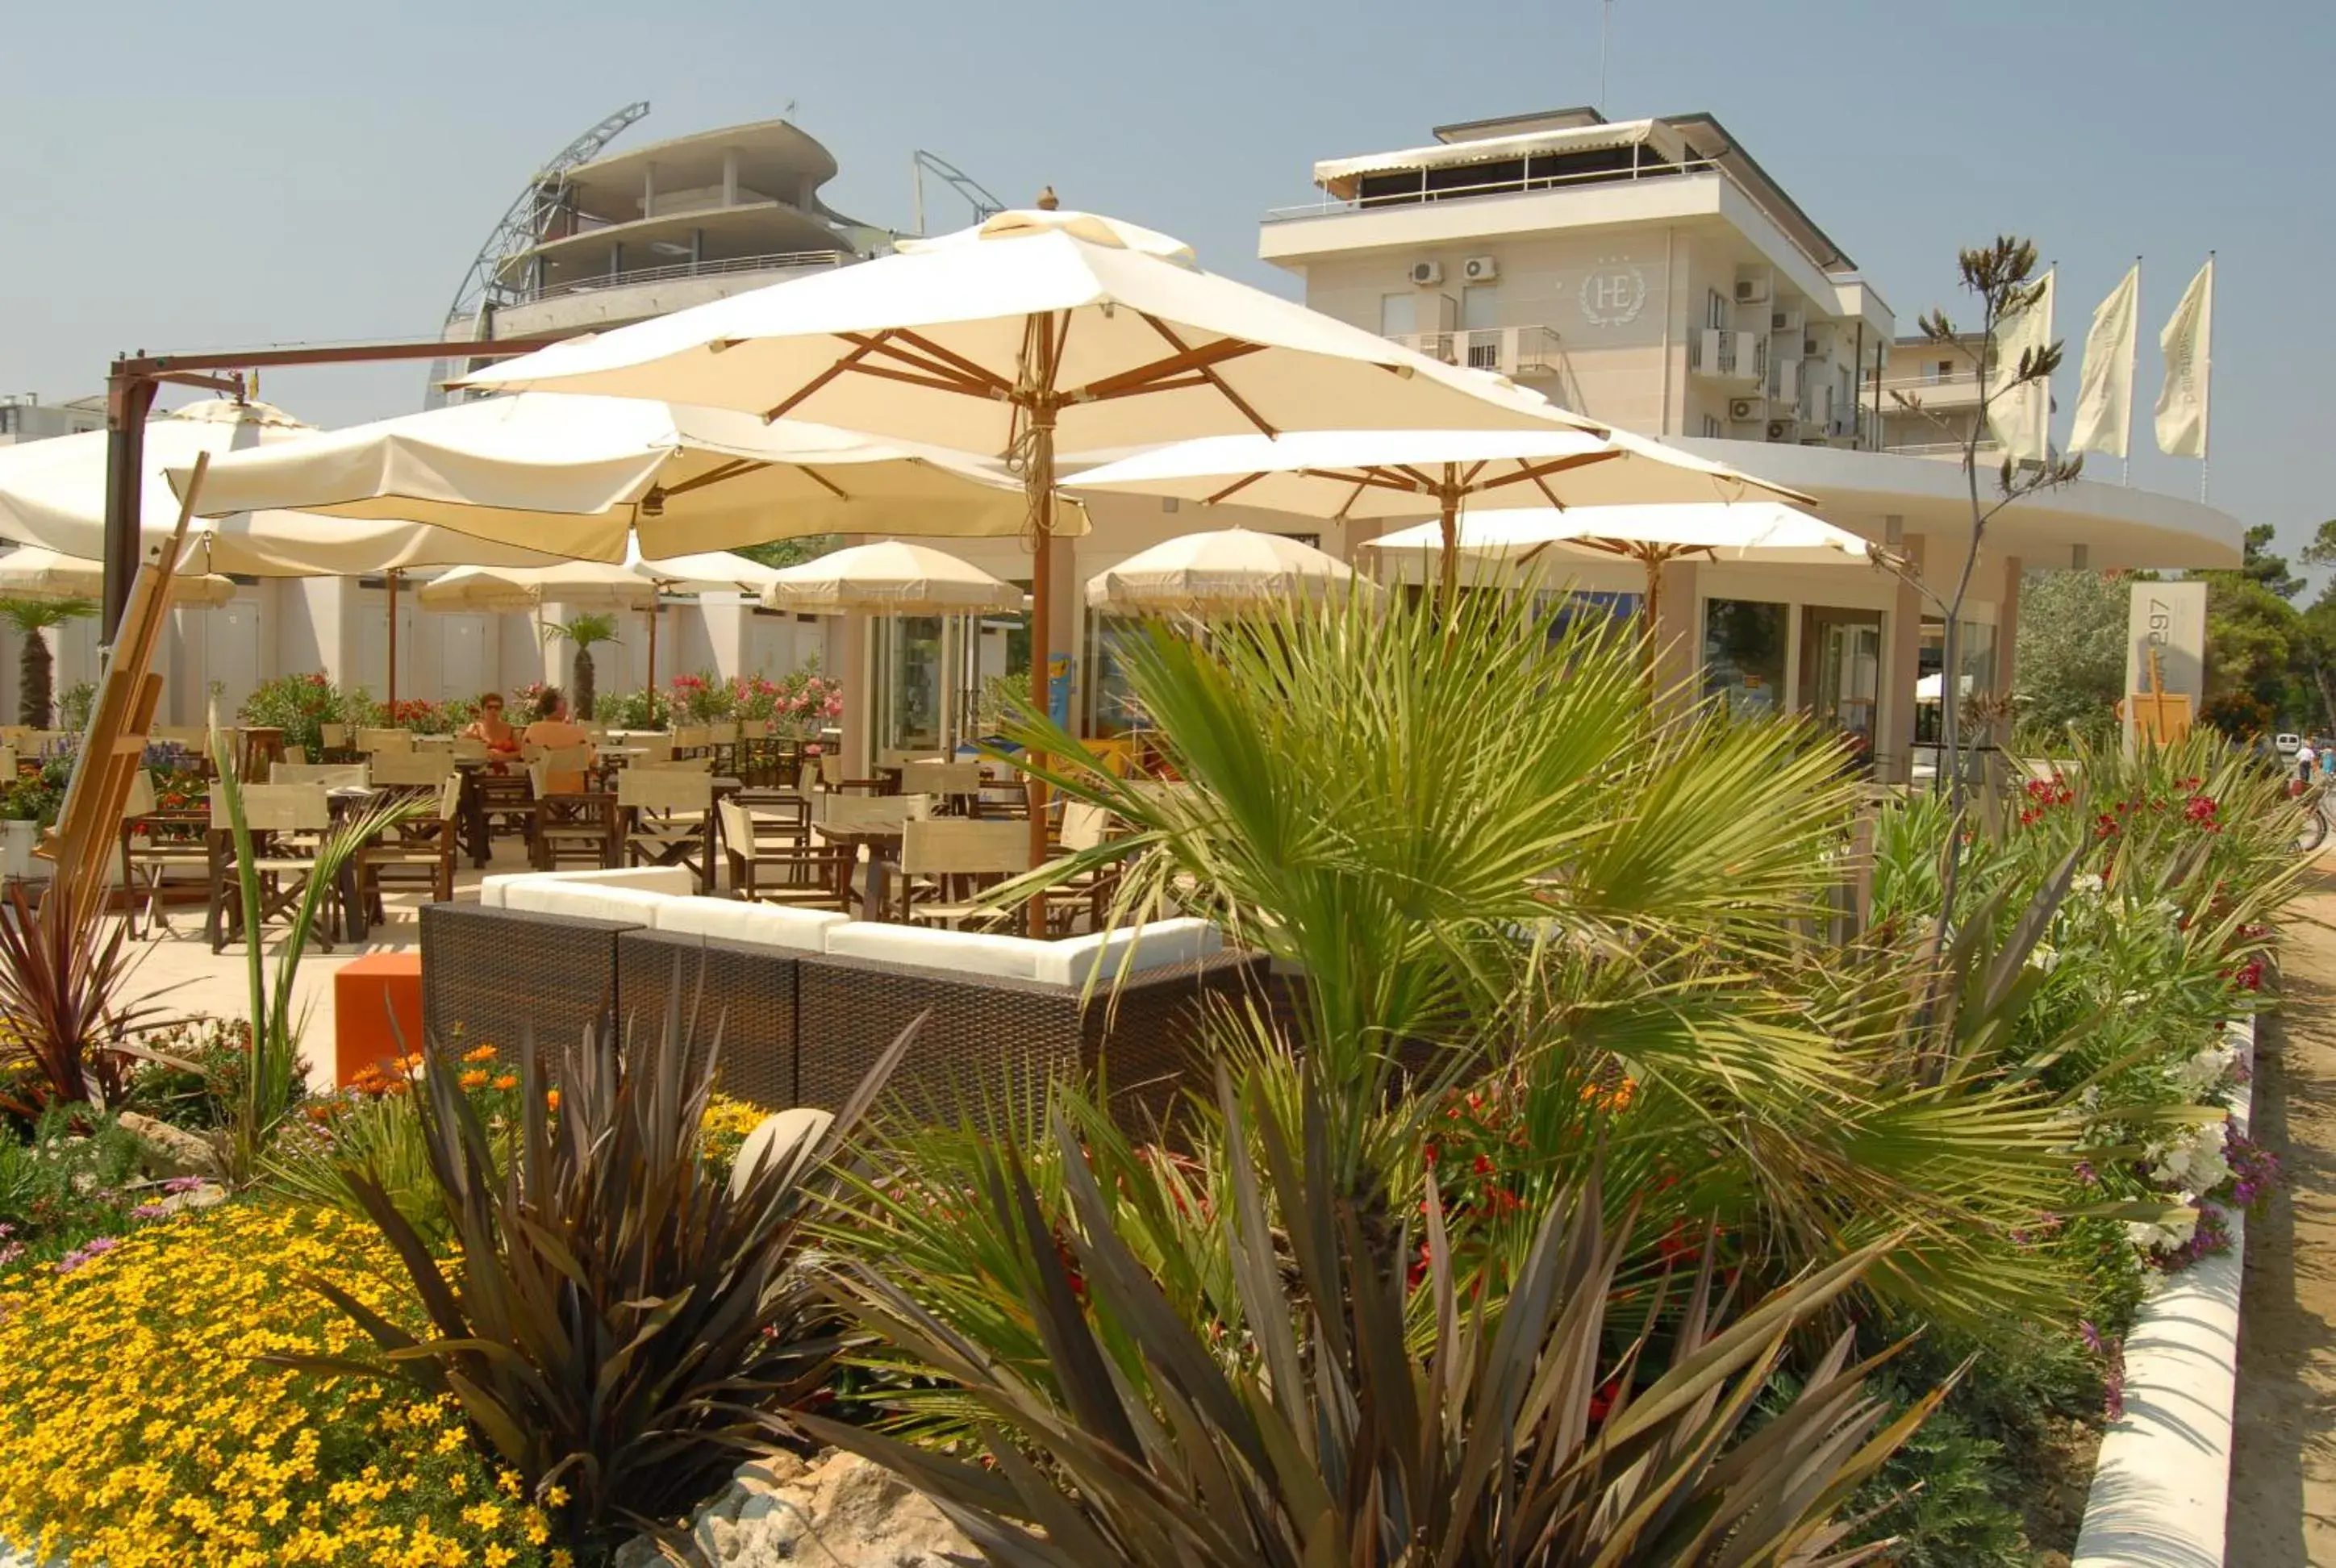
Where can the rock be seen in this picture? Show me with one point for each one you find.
(171, 1151)
(840, 1512)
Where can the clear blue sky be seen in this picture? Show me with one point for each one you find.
(187, 176)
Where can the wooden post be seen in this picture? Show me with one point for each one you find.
(1038, 480)
(390, 577)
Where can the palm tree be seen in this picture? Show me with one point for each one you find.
(31, 618)
(584, 631)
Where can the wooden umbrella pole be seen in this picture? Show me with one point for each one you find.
(653, 631)
(390, 578)
(1038, 481)
(1450, 522)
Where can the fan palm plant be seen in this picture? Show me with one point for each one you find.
(583, 633)
(29, 618)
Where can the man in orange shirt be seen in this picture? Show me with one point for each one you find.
(553, 730)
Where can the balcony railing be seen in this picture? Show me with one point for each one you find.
(1511, 351)
(1330, 204)
(780, 261)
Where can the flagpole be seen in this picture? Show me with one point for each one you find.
(2207, 381)
(2125, 458)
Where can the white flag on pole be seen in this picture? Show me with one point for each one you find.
(2019, 418)
(2188, 341)
(2105, 391)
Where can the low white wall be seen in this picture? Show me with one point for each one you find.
(2161, 1489)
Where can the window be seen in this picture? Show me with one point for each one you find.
(1480, 307)
(1715, 308)
(1942, 370)
(1398, 315)
(1711, 428)
(1744, 645)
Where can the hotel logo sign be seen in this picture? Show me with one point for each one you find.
(1612, 293)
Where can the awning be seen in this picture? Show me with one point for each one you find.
(1342, 176)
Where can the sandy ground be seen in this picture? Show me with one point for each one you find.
(189, 980)
(2282, 1507)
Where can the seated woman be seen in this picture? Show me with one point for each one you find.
(502, 741)
(553, 730)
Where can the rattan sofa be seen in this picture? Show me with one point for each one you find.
(803, 1002)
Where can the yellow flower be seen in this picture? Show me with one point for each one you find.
(473, 1079)
(484, 1054)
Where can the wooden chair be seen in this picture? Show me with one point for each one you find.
(410, 770)
(418, 850)
(470, 748)
(331, 776)
(568, 826)
(958, 782)
(668, 819)
(945, 862)
(692, 740)
(1084, 827)
(154, 844)
(506, 802)
(776, 863)
(287, 821)
(261, 748)
(374, 742)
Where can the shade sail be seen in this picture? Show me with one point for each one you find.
(891, 576)
(1342, 177)
(1221, 570)
(33, 572)
(1759, 531)
(588, 477)
(53, 494)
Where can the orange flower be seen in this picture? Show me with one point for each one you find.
(551, 1099)
(484, 1054)
(473, 1079)
(507, 1082)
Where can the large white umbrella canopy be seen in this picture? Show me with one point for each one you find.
(590, 477)
(992, 339)
(29, 572)
(1221, 570)
(1756, 530)
(53, 494)
(1340, 474)
(889, 577)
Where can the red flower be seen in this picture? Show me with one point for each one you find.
(2202, 810)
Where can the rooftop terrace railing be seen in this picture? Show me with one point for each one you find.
(1514, 185)
(787, 260)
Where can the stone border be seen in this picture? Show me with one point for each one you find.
(2161, 1487)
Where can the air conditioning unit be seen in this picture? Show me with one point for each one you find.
(1480, 269)
(1745, 410)
(1810, 348)
(1784, 321)
(1424, 273)
(1751, 290)
(1780, 429)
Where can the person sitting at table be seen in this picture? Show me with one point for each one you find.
(553, 730)
(501, 740)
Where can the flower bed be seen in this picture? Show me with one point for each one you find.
(136, 1427)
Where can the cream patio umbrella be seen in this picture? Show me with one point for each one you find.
(1229, 568)
(889, 577)
(997, 338)
(1752, 531)
(611, 478)
(29, 572)
(53, 494)
(1342, 475)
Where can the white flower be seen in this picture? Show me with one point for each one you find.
(2090, 882)
(2168, 1235)
(2194, 1160)
(2044, 957)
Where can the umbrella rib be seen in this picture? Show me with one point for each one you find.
(991, 383)
(826, 483)
(731, 470)
(1243, 483)
(1537, 472)
(1376, 478)
(1418, 481)
(865, 347)
(1348, 505)
(1208, 372)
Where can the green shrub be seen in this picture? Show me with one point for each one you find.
(301, 705)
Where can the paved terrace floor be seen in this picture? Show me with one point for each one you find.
(191, 980)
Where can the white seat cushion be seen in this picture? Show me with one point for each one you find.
(494, 893)
(544, 896)
(1157, 945)
(920, 947)
(736, 920)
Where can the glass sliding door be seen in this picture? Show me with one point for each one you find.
(1840, 673)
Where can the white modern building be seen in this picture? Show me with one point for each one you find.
(1654, 274)
(24, 417)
